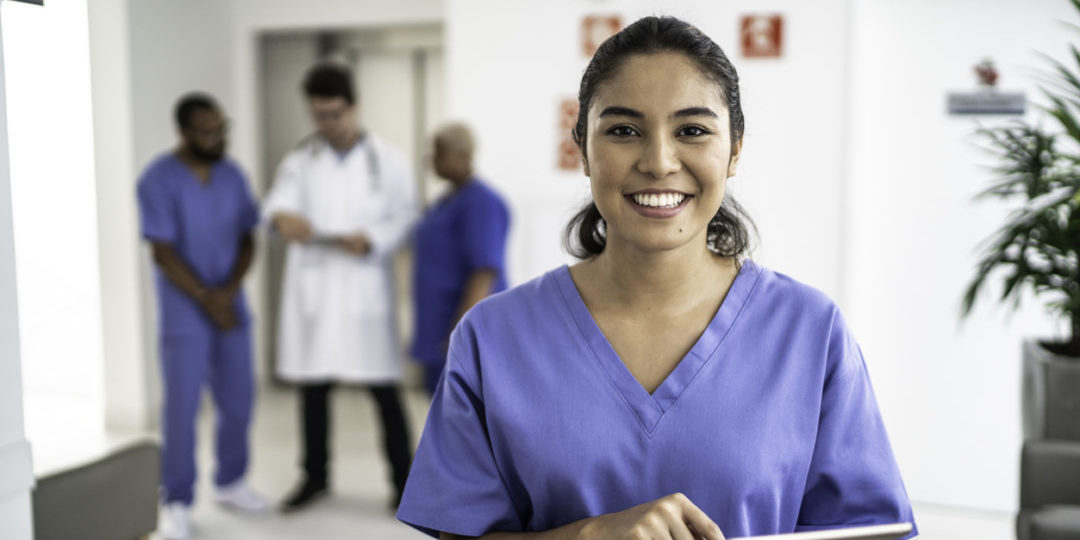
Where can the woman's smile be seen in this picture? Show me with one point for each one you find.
(658, 153)
(658, 204)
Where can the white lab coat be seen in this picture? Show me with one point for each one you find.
(338, 315)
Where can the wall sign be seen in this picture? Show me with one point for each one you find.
(762, 36)
(595, 29)
(568, 157)
(986, 99)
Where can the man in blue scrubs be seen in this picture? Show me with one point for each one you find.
(198, 214)
(460, 250)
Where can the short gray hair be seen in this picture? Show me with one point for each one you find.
(456, 137)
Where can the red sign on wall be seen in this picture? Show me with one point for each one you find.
(595, 29)
(568, 156)
(762, 36)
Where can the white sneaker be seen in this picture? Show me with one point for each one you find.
(175, 522)
(241, 497)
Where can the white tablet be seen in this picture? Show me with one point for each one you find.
(870, 532)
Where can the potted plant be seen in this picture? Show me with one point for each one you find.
(1038, 247)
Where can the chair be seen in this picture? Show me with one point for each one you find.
(1049, 490)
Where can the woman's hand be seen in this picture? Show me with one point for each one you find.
(672, 517)
(668, 518)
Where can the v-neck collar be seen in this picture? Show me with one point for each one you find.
(650, 408)
(191, 172)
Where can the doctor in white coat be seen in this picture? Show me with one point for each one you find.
(345, 202)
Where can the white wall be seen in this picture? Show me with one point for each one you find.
(55, 221)
(16, 472)
(127, 368)
(285, 60)
(950, 392)
(176, 47)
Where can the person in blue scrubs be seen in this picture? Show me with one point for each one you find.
(666, 386)
(198, 214)
(460, 250)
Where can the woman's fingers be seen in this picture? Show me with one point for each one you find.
(697, 521)
(669, 518)
(681, 532)
(673, 517)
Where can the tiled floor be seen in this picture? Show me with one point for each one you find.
(358, 507)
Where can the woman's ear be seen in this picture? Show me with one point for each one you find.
(581, 148)
(733, 161)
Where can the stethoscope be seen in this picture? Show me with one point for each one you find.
(315, 142)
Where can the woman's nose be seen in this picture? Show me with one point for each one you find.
(659, 158)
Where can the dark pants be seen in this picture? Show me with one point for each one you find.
(315, 414)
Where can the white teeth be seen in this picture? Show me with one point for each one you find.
(661, 200)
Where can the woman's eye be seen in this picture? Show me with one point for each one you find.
(622, 131)
(693, 131)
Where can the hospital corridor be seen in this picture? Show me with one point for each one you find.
(583, 269)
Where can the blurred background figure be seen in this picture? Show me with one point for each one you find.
(197, 212)
(460, 249)
(345, 201)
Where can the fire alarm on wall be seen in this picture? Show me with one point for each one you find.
(568, 157)
(595, 29)
(762, 36)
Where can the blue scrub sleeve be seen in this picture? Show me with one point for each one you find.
(486, 224)
(157, 215)
(454, 484)
(853, 477)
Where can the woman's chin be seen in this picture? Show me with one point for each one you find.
(659, 243)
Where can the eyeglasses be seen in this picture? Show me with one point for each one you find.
(218, 132)
(329, 115)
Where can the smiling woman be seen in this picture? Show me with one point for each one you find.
(664, 387)
(728, 233)
(659, 134)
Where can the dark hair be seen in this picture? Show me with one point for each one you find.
(330, 80)
(728, 235)
(189, 104)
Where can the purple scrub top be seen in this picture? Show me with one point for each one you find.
(460, 234)
(204, 223)
(768, 424)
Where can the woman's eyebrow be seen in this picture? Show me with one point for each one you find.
(681, 113)
(695, 111)
(621, 111)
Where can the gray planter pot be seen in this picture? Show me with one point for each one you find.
(1051, 394)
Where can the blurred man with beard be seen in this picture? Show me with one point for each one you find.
(197, 212)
